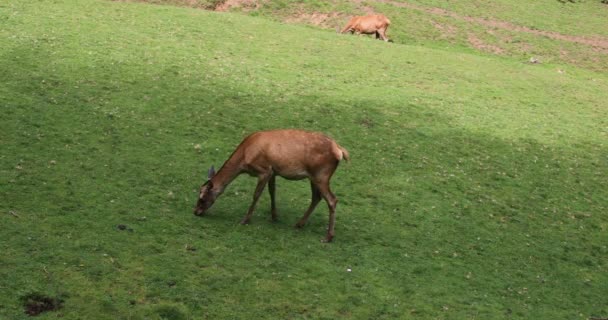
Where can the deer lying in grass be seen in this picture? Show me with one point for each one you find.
(291, 154)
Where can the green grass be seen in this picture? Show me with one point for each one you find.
(550, 15)
(477, 188)
(464, 24)
(571, 33)
(419, 27)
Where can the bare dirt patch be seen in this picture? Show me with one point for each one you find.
(480, 45)
(364, 8)
(325, 20)
(331, 20)
(447, 31)
(36, 303)
(246, 5)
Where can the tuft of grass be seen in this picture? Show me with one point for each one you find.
(477, 187)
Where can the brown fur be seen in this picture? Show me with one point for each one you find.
(372, 24)
(291, 154)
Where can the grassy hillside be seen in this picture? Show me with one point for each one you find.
(566, 32)
(477, 187)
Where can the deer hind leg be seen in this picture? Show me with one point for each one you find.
(262, 181)
(271, 190)
(382, 34)
(316, 197)
(331, 200)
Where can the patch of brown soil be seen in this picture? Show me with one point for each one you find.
(480, 45)
(447, 31)
(245, 5)
(598, 43)
(326, 20)
(366, 9)
(36, 304)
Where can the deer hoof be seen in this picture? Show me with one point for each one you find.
(300, 224)
(328, 239)
(245, 221)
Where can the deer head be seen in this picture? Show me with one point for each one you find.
(207, 195)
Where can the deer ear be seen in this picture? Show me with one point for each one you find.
(210, 173)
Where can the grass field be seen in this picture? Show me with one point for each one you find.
(566, 32)
(478, 186)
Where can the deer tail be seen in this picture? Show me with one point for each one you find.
(341, 153)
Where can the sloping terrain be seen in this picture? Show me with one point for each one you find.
(477, 187)
(569, 32)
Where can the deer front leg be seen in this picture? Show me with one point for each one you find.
(262, 181)
(347, 28)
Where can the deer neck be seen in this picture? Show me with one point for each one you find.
(228, 172)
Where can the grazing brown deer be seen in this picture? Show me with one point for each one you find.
(291, 154)
(372, 24)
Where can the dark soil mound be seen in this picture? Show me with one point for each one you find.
(36, 304)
